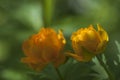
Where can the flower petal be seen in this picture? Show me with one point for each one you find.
(103, 33)
(59, 60)
(43, 48)
(85, 57)
(34, 63)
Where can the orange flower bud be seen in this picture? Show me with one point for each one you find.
(87, 42)
(43, 48)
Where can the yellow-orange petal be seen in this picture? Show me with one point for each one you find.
(103, 37)
(34, 63)
(60, 60)
(61, 37)
(43, 48)
(103, 33)
(87, 42)
(84, 57)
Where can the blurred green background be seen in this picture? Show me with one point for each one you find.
(19, 19)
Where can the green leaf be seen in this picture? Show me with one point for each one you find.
(118, 45)
(74, 70)
(101, 74)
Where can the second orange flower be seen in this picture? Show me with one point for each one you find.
(88, 42)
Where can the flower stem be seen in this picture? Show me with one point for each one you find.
(48, 11)
(110, 75)
(59, 74)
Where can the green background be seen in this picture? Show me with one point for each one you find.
(19, 19)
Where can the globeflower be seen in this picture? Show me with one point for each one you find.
(88, 42)
(43, 48)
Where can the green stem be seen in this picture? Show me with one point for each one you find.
(59, 74)
(110, 75)
(48, 10)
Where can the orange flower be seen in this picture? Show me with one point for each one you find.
(87, 42)
(44, 48)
